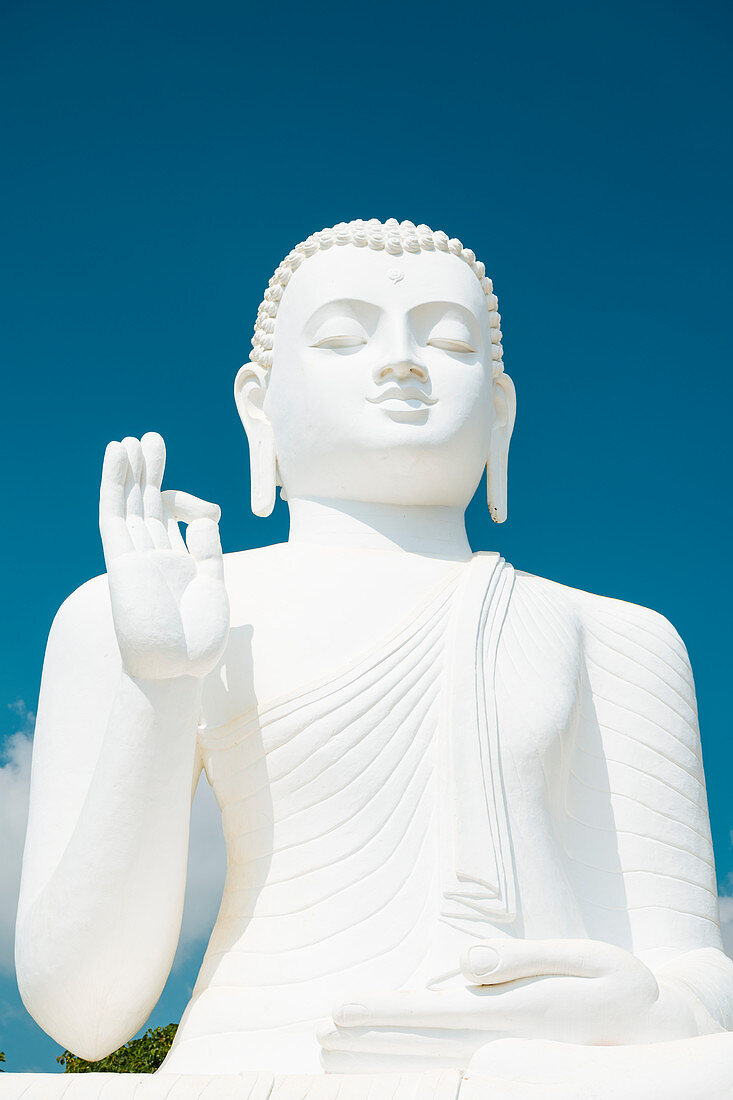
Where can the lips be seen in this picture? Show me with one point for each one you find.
(411, 397)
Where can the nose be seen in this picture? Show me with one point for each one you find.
(402, 370)
(404, 366)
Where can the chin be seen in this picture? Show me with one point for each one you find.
(405, 475)
(421, 434)
(437, 460)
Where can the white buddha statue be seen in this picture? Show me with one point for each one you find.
(464, 807)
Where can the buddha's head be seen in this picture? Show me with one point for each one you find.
(376, 373)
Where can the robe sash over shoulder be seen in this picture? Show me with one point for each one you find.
(477, 868)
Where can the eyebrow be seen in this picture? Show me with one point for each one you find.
(343, 302)
(345, 306)
(347, 302)
(460, 306)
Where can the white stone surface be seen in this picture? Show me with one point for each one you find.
(245, 1086)
(464, 807)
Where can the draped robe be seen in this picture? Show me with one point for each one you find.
(518, 758)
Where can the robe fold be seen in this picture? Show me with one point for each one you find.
(421, 798)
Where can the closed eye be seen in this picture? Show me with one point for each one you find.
(450, 343)
(340, 341)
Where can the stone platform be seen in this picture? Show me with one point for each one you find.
(244, 1086)
(510, 1069)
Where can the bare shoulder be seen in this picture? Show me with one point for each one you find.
(249, 564)
(253, 577)
(84, 620)
(82, 663)
(87, 613)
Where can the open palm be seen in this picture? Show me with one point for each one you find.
(169, 602)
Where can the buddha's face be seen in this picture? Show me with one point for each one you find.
(381, 387)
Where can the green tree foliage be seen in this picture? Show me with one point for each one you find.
(2, 1059)
(143, 1055)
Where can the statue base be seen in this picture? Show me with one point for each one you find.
(509, 1069)
(243, 1086)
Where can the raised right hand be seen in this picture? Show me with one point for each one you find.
(169, 602)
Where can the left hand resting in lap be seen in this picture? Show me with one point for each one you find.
(572, 991)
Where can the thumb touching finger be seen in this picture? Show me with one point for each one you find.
(182, 506)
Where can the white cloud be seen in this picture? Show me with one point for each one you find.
(25, 719)
(15, 774)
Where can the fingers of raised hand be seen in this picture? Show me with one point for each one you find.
(186, 508)
(141, 538)
(181, 507)
(135, 514)
(204, 546)
(116, 538)
(130, 509)
(153, 452)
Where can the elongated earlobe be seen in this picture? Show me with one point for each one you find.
(250, 388)
(263, 474)
(497, 463)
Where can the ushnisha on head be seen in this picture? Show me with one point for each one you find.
(394, 238)
(376, 373)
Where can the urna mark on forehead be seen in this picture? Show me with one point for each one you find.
(396, 240)
(381, 280)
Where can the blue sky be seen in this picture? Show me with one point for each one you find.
(161, 158)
